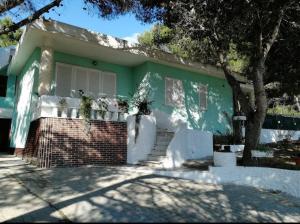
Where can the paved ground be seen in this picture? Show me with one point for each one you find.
(113, 194)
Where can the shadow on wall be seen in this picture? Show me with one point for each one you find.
(23, 108)
(212, 119)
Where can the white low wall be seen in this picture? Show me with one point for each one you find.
(140, 149)
(287, 181)
(188, 144)
(273, 135)
(169, 122)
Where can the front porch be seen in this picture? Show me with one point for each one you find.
(59, 137)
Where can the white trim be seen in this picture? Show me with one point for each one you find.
(6, 113)
(74, 77)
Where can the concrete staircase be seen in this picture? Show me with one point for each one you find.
(158, 153)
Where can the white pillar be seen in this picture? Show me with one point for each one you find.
(46, 71)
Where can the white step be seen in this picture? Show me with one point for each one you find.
(160, 147)
(158, 152)
(150, 163)
(156, 157)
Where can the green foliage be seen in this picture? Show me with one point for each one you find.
(10, 38)
(263, 148)
(63, 103)
(123, 104)
(85, 107)
(103, 106)
(283, 110)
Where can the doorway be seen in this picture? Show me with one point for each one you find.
(4, 134)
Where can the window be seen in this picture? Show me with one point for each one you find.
(203, 97)
(3, 85)
(173, 92)
(70, 79)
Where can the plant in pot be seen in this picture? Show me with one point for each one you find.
(63, 105)
(142, 104)
(123, 107)
(103, 106)
(85, 109)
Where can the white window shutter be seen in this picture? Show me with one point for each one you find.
(81, 80)
(94, 83)
(109, 84)
(173, 92)
(203, 97)
(63, 80)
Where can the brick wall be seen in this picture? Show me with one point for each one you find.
(58, 142)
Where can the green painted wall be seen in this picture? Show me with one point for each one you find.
(8, 101)
(124, 74)
(152, 76)
(27, 85)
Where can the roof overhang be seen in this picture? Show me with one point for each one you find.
(78, 41)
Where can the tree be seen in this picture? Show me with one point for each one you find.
(25, 7)
(251, 25)
(11, 38)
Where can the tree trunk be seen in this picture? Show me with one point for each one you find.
(236, 125)
(255, 119)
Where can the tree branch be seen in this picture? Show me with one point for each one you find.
(30, 18)
(274, 34)
(235, 85)
(9, 4)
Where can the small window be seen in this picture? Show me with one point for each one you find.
(3, 85)
(203, 97)
(173, 92)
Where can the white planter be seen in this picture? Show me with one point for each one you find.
(234, 148)
(256, 153)
(227, 159)
(237, 148)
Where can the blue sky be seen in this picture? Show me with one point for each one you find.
(126, 27)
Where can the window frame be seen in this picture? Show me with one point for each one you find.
(74, 78)
(173, 105)
(206, 98)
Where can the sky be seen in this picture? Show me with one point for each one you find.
(125, 27)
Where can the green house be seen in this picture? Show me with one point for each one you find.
(54, 60)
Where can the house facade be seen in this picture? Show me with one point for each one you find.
(54, 60)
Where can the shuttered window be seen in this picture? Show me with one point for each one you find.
(70, 79)
(203, 97)
(173, 92)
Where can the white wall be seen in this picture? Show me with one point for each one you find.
(169, 122)
(274, 135)
(188, 144)
(287, 181)
(140, 149)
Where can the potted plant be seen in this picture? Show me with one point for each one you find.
(141, 102)
(262, 151)
(85, 109)
(123, 108)
(63, 105)
(102, 106)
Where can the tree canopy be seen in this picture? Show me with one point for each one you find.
(11, 38)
